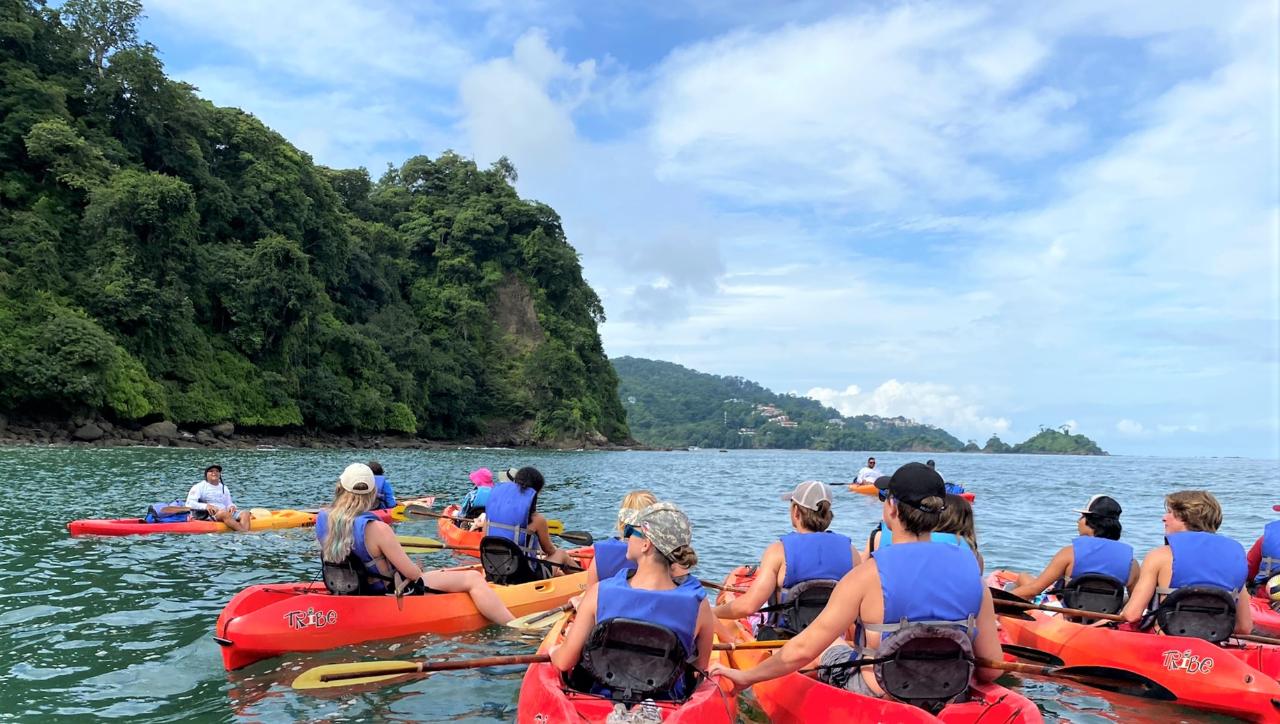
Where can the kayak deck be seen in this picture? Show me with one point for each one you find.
(277, 520)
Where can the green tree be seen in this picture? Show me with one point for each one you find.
(104, 26)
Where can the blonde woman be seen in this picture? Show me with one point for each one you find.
(611, 555)
(361, 555)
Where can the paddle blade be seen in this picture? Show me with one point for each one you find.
(537, 621)
(418, 541)
(576, 537)
(331, 676)
(555, 527)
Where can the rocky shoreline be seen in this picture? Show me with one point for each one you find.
(102, 433)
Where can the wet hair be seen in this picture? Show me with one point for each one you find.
(376, 467)
(1197, 509)
(814, 520)
(636, 500)
(916, 521)
(957, 518)
(1103, 526)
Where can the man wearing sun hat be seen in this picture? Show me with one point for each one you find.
(810, 556)
(1264, 556)
(1097, 549)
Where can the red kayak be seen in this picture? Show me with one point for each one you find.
(802, 698)
(268, 620)
(262, 520)
(1237, 680)
(453, 535)
(1266, 619)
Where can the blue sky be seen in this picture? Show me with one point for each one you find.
(988, 217)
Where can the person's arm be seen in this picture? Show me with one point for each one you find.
(593, 576)
(760, 590)
(1255, 560)
(565, 656)
(706, 634)
(1056, 569)
(1244, 613)
(193, 498)
(538, 526)
(381, 541)
(388, 495)
(1148, 579)
(1134, 569)
(987, 643)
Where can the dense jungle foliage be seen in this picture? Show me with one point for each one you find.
(166, 258)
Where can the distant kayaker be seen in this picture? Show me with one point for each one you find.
(811, 556)
(1194, 554)
(511, 513)
(869, 473)
(952, 488)
(658, 539)
(210, 499)
(473, 506)
(386, 496)
(914, 580)
(361, 556)
(956, 527)
(1264, 556)
(1097, 549)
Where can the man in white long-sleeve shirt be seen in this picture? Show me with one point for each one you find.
(210, 499)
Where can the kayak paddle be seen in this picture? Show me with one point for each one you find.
(554, 527)
(418, 541)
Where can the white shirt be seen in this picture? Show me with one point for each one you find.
(868, 475)
(203, 493)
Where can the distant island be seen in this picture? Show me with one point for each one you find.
(668, 405)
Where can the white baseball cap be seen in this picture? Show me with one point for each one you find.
(808, 494)
(357, 478)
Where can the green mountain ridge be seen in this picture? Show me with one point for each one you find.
(672, 406)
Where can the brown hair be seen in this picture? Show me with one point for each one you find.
(683, 556)
(814, 520)
(916, 521)
(957, 518)
(1197, 509)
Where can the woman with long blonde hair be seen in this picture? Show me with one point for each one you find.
(360, 553)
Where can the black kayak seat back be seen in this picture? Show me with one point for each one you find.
(928, 666)
(632, 660)
(805, 601)
(1201, 612)
(1094, 592)
(350, 577)
(506, 564)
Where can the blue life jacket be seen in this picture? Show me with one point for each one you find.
(953, 488)
(928, 583)
(815, 556)
(357, 546)
(1101, 555)
(1270, 564)
(155, 516)
(611, 557)
(1206, 559)
(508, 514)
(476, 501)
(386, 497)
(676, 609)
(886, 538)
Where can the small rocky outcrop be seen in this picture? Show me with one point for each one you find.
(88, 432)
(163, 430)
(223, 429)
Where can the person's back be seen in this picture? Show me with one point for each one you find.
(1264, 555)
(1201, 558)
(508, 511)
(386, 496)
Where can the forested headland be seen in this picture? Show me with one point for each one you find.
(163, 258)
(673, 406)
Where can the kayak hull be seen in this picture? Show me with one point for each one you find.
(801, 698)
(277, 520)
(452, 535)
(545, 698)
(1237, 680)
(1266, 620)
(869, 489)
(269, 620)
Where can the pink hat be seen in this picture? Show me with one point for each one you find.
(483, 478)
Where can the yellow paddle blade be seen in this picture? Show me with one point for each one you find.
(536, 621)
(418, 541)
(555, 526)
(260, 512)
(374, 671)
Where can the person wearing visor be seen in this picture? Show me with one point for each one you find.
(809, 556)
(210, 499)
(1096, 550)
(912, 589)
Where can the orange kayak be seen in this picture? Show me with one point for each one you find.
(869, 489)
(451, 534)
(802, 698)
(1237, 680)
(1266, 618)
(545, 698)
(262, 520)
(268, 620)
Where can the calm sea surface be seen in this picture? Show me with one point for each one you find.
(121, 627)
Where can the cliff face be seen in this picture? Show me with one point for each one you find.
(164, 258)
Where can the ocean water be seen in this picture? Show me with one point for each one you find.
(121, 628)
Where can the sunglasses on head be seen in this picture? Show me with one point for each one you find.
(630, 530)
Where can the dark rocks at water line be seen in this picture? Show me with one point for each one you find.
(88, 432)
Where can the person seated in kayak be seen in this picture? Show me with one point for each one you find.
(512, 513)
(386, 496)
(1194, 554)
(956, 527)
(209, 499)
(1264, 556)
(867, 474)
(658, 538)
(952, 488)
(361, 556)
(610, 554)
(809, 557)
(914, 589)
(1097, 549)
(473, 506)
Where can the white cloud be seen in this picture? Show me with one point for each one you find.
(1071, 426)
(928, 402)
(1130, 427)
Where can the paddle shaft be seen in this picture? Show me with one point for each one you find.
(1112, 617)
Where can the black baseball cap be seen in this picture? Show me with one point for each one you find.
(1101, 506)
(912, 483)
(214, 466)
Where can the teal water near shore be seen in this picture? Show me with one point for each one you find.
(116, 628)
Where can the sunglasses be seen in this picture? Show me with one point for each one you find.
(883, 495)
(630, 530)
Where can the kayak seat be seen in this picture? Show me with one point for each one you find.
(807, 600)
(351, 578)
(1095, 592)
(926, 666)
(1201, 612)
(506, 564)
(631, 660)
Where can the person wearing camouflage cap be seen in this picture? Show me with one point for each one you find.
(658, 537)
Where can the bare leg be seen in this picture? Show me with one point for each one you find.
(473, 583)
